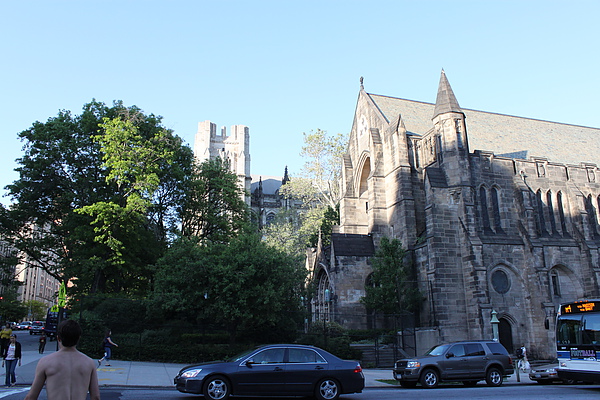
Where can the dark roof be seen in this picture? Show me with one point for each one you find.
(348, 244)
(507, 135)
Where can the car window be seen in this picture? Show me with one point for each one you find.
(474, 349)
(497, 348)
(458, 350)
(269, 356)
(304, 356)
(437, 350)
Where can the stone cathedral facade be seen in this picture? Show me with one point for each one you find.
(498, 213)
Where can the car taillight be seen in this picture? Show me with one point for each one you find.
(510, 360)
(358, 369)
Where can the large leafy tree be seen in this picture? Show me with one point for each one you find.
(244, 286)
(317, 189)
(213, 209)
(69, 164)
(393, 287)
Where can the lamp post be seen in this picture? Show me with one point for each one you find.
(494, 321)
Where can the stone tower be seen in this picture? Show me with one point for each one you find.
(235, 148)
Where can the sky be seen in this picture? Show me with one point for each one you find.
(283, 67)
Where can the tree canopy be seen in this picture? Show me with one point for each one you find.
(392, 288)
(243, 286)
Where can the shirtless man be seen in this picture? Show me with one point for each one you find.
(68, 373)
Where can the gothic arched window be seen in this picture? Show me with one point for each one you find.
(323, 299)
(591, 215)
(561, 213)
(551, 213)
(540, 220)
(496, 210)
(485, 217)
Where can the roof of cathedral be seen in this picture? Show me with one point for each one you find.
(505, 135)
(348, 244)
(270, 184)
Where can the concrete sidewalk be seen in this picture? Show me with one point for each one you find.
(154, 374)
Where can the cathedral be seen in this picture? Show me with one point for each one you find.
(499, 215)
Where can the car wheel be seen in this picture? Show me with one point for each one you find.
(31, 333)
(569, 381)
(217, 388)
(327, 389)
(408, 384)
(429, 379)
(493, 377)
(469, 383)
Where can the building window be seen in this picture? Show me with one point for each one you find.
(540, 220)
(500, 281)
(551, 213)
(496, 211)
(561, 213)
(485, 217)
(459, 138)
(591, 215)
(555, 282)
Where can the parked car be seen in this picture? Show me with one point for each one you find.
(274, 370)
(545, 374)
(36, 327)
(23, 325)
(468, 362)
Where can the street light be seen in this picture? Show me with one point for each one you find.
(495, 324)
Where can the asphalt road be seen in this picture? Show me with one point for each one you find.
(527, 392)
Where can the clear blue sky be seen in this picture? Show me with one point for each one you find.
(287, 67)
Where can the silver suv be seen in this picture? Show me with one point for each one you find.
(468, 362)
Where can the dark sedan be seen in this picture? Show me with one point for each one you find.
(274, 370)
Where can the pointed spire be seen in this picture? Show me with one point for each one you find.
(445, 102)
(286, 177)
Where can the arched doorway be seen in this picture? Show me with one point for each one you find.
(505, 334)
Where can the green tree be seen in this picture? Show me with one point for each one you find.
(246, 287)
(393, 286)
(36, 310)
(10, 308)
(318, 190)
(63, 170)
(213, 209)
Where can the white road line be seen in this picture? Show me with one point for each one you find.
(10, 392)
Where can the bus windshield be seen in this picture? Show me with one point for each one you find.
(577, 329)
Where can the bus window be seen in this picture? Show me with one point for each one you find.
(567, 331)
(591, 329)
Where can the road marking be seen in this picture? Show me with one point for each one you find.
(10, 392)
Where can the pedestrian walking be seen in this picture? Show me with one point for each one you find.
(107, 344)
(4, 337)
(523, 363)
(67, 373)
(42, 343)
(11, 356)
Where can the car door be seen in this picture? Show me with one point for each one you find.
(454, 364)
(305, 367)
(262, 373)
(477, 360)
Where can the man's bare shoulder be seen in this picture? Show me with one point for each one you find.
(66, 355)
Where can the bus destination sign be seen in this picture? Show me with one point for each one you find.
(580, 307)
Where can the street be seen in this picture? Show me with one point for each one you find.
(525, 390)
(533, 391)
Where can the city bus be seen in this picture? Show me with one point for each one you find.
(578, 341)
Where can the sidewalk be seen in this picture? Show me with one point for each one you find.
(153, 374)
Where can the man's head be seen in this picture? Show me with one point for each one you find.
(68, 333)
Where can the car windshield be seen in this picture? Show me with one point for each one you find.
(437, 350)
(241, 355)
